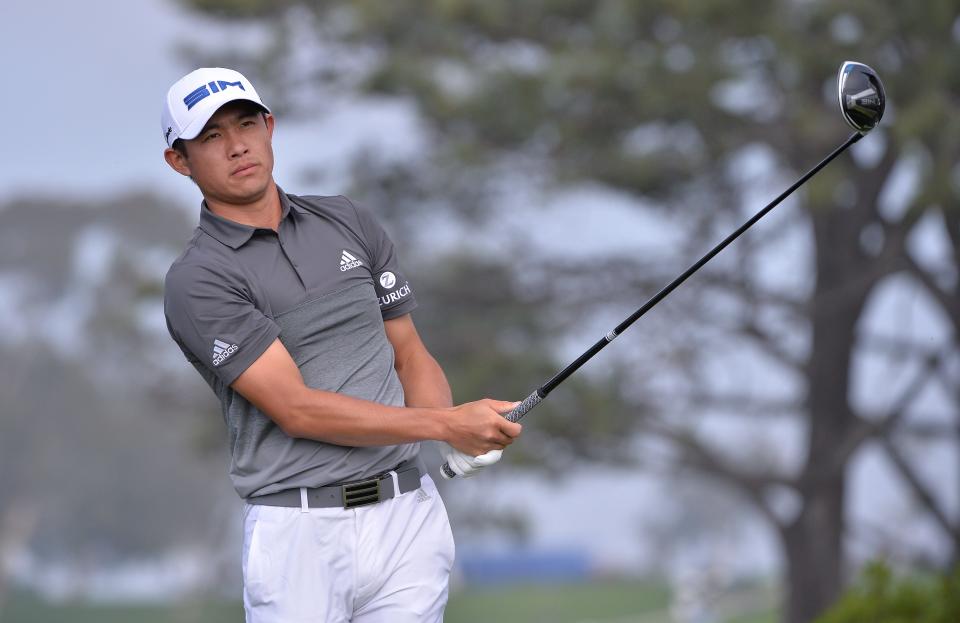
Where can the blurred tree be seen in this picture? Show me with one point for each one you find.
(693, 109)
(99, 464)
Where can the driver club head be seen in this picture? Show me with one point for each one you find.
(862, 99)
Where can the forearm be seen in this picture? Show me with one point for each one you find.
(348, 421)
(423, 380)
(274, 385)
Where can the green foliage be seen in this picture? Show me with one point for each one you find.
(238, 9)
(880, 597)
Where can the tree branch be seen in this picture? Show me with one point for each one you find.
(951, 219)
(874, 428)
(766, 343)
(920, 490)
(699, 456)
(735, 282)
(930, 431)
(950, 303)
(893, 345)
(738, 404)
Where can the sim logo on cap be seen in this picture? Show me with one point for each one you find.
(205, 90)
(196, 97)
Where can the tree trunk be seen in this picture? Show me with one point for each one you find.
(814, 552)
(813, 542)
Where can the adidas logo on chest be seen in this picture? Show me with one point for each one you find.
(348, 261)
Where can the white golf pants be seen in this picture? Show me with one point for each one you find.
(383, 563)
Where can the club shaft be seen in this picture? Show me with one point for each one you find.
(561, 376)
(541, 392)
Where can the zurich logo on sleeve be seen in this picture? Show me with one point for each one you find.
(388, 280)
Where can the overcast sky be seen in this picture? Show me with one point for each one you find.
(85, 82)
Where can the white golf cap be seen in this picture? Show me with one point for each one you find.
(193, 99)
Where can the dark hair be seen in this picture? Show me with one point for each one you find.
(180, 146)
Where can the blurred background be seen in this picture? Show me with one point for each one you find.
(785, 418)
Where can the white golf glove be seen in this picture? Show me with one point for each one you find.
(463, 464)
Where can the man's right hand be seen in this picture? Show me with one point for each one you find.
(476, 428)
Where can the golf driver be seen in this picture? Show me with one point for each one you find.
(862, 101)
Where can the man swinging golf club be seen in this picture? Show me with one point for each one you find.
(295, 311)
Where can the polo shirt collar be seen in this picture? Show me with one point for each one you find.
(232, 233)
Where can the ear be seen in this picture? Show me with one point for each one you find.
(176, 161)
(271, 122)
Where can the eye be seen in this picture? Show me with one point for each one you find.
(210, 136)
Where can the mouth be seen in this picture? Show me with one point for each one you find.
(244, 169)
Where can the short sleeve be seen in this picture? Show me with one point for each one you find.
(214, 322)
(394, 291)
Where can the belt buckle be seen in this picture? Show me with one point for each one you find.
(360, 493)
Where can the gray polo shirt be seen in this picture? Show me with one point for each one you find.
(323, 283)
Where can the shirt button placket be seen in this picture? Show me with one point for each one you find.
(290, 258)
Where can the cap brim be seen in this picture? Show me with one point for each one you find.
(195, 127)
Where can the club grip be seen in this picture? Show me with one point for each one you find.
(514, 416)
(521, 410)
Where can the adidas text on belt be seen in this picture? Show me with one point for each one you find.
(349, 494)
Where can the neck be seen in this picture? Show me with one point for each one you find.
(262, 211)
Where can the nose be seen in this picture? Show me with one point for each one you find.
(237, 145)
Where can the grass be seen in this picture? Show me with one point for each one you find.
(767, 616)
(27, 609)
(598, 602)
(557, 603)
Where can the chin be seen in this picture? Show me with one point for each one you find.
(250, 188)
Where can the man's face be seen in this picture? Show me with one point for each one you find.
(231, 160)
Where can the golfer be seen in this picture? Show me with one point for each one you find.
(296, 312)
